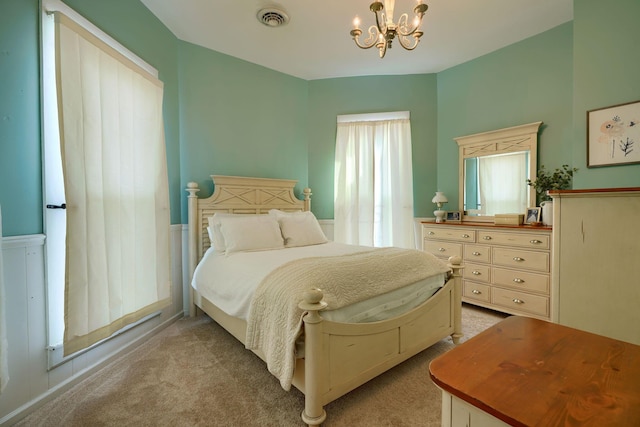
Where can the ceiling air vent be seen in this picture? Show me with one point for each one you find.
(272, 17)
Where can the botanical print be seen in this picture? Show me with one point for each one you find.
(614, 135)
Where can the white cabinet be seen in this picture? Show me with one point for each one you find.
(596, 262)
(506, 268)
(458, 413)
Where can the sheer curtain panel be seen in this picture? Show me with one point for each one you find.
(373, 203)
(116, 187)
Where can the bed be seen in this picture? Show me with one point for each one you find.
(333, 356)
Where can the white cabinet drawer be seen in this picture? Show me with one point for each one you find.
(447, 233)
(443, 249)
(476, 291)
(477, 253)
(529, 260)
(521, 280)
(522, 240)
(520, 301)
(477, 272)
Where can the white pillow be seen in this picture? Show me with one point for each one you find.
(250, 233)
(215, 235)
(299, 228)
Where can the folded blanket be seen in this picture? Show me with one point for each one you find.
(275, 321)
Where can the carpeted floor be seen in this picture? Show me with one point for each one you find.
(194, 373)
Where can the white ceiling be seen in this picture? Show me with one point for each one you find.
(316, 44)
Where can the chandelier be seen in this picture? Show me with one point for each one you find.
(382, 34)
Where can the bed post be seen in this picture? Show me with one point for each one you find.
(307, 199)
(314, 413)
(455, 263)
(192, 204)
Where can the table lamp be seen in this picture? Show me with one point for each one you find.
(439, 199)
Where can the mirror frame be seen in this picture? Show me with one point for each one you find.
(507, 140)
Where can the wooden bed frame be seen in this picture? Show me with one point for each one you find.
(338, 356)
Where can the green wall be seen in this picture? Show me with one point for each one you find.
(239, 118)
(522, 83)
(606, 57)
(20, 170)
(331, 97)
(227, 116)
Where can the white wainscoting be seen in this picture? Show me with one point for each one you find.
(31, 384)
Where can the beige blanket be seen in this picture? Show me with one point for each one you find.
(275, 321)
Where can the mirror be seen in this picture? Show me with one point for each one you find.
(493, 171)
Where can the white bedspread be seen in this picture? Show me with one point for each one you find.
(230, 281)
(275, 320)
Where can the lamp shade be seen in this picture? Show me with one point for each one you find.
(439, 198)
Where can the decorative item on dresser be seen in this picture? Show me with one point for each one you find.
(439, 199)
(559, 179)
(507, 268)
(596, 261)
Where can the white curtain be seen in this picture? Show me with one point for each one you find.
(116, 188)
(4, 367)
(373, 194)
(502, 180)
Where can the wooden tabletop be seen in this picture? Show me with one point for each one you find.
(529, 372)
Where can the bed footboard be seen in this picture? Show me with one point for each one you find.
(340, 357)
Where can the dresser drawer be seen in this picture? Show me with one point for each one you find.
(522, 240)
(522, 280)
(477, 272)
(443, 249)
(476, 291)
(527, 303)
(447, 233)
(477, 253)
(530, 260)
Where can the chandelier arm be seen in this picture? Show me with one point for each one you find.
(405, 40)
(404, 29)
(370, 41)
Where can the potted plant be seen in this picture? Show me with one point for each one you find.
(559, 179)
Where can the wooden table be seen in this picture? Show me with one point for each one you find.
(528, 372)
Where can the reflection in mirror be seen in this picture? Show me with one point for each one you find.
(493, 170)
(494, 184)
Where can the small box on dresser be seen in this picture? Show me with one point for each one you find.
(507, 268)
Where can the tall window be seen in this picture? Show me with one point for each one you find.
(104, 147)
(373, 203)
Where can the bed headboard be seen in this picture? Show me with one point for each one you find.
(241, 195)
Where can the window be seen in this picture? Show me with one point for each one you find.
(104, 158)
(373, 203)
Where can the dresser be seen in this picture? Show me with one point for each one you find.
(507, 268)
(527, 372)
(596, 261)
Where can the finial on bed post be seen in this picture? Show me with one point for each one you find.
(314, 413)
(192, 205)
(307, 198)
(455, 263)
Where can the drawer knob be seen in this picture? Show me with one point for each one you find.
(535, 241)
(517, 258)
(487, 237)
(476, 292)
(476, 253)
(431, 233)
(518, 280)
(465, 236)
(518, 301)
(476, 273)
(441, 249)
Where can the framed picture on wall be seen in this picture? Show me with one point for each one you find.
(532, 215)
(454, 216)
(613, 135)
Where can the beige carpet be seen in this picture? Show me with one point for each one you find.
(194, 373)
